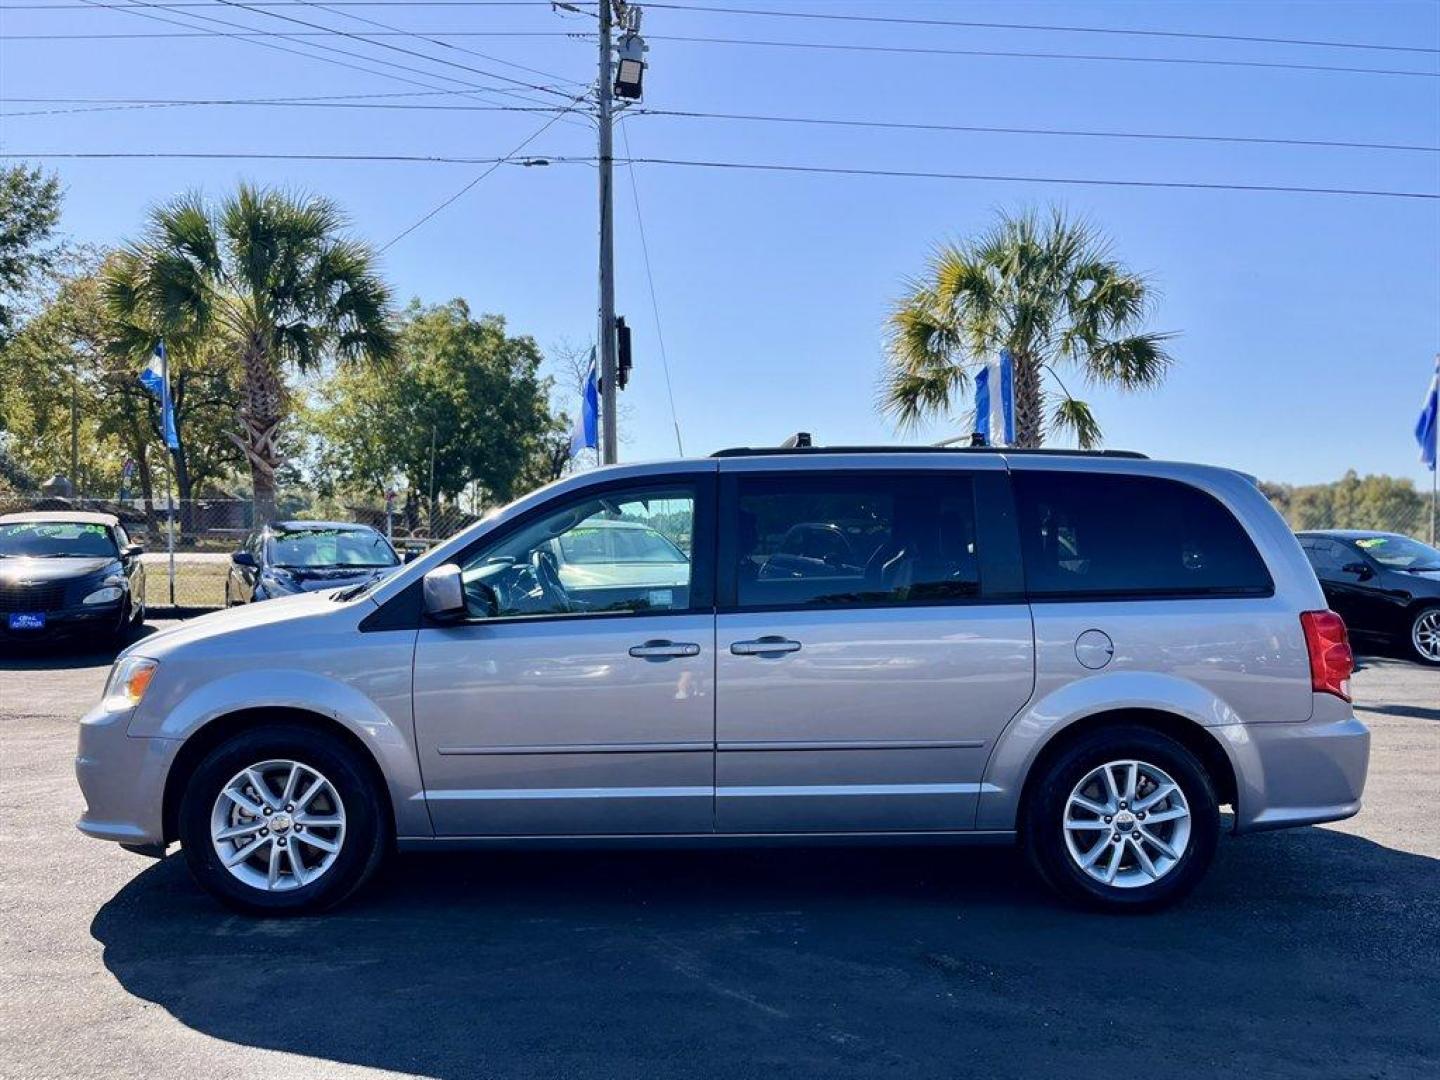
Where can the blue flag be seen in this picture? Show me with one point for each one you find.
(1428, 425)
(995, 401)
(586, 434)
(155, 377)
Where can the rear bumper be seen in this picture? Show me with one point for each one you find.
(122, 779)
(1289, 775)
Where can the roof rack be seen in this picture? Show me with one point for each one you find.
(780, 451)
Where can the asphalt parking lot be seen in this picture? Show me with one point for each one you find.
(1314, 953)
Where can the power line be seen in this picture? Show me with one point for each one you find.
(893, 125)
(297, 34)
(925, 175)
(179, 155)
(1063, 29)
(654, 304)
(494, 165)
(756, 166)
(1015, 54)
(294, 104)
(477, 89)
(395, 48)
(365, 101)
(301, 3)
(443, 44)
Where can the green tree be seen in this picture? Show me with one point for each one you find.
(1383, 503)
(72, 353)
(1047, 289)
(273, 278)
(29, 211)
(460, 391)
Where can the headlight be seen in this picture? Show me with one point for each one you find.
(129, 679)
(108, 595)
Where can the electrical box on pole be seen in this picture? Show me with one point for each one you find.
(622, 353)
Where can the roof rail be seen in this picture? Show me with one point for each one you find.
(783, 451)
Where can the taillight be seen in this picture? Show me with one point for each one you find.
(1331, 661)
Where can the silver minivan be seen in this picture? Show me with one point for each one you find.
(1086, 654)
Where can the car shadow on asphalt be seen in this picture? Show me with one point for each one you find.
(67, 653)
(1313, 952)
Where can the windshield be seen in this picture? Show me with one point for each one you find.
(311, 549)
(56, 539)
(608, 544)
(1400, 552)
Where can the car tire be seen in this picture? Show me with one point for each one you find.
(334, 861)
(1424, 636)
(1158, 863)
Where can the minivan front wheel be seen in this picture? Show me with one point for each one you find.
(1124, 819)
(282, 820)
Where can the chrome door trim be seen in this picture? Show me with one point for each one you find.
(856, 744)
(582, 748)
(462, 794)
(976, 788)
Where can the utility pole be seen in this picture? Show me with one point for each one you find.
(608, 434)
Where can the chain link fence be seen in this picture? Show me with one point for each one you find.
(205, 532)
(1409, 518)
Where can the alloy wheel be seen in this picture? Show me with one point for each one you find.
(1425, 634)
(1127, 824)
(278, 825)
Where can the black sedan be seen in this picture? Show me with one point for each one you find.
(68, 573)
(288, 557)
(1385, 586)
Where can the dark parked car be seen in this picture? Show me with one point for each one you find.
(1386, 586)
(68, 573)
(288, 557)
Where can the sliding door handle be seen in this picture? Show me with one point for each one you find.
(765, 646)
(664, 650)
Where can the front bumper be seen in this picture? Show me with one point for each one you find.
(1289, 775)
(67, 622)
(122, 779)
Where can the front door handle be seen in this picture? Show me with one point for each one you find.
(663, 650)
(769, 645)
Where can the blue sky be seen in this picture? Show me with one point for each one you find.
(1308, 323)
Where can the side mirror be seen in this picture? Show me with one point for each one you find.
(1359, 569)
(409, 555)
(243, 558)
(131, 551)
(444, 593)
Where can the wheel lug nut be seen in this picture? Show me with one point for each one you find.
(1107, 819)
(299, 828)
(268, 811)
(1115, 838)
(264, 832)
(281, 841)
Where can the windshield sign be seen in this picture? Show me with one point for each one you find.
(309, 549)
(56, 539)
(1400, 552)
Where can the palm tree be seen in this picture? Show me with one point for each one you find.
(272, 278)
(1048, 290)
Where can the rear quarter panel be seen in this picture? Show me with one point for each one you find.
(1214, 661)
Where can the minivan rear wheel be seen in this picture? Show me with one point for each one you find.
(1124, 819)
(282, 819)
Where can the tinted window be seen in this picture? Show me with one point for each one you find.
(1400, 552)
(812, 541)
(1130, 535)
(1326, 556)
(301, 548)
(627, 551)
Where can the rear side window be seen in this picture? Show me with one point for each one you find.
(858, 540)
(1107, 536)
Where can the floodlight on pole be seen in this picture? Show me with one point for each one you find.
(630, 55)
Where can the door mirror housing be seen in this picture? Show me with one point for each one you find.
(242, 558)
(444, 593)
(1359, 569)
(131, 551)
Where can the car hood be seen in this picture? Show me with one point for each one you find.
(239, 622)
(334, 577)
(23, 568)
